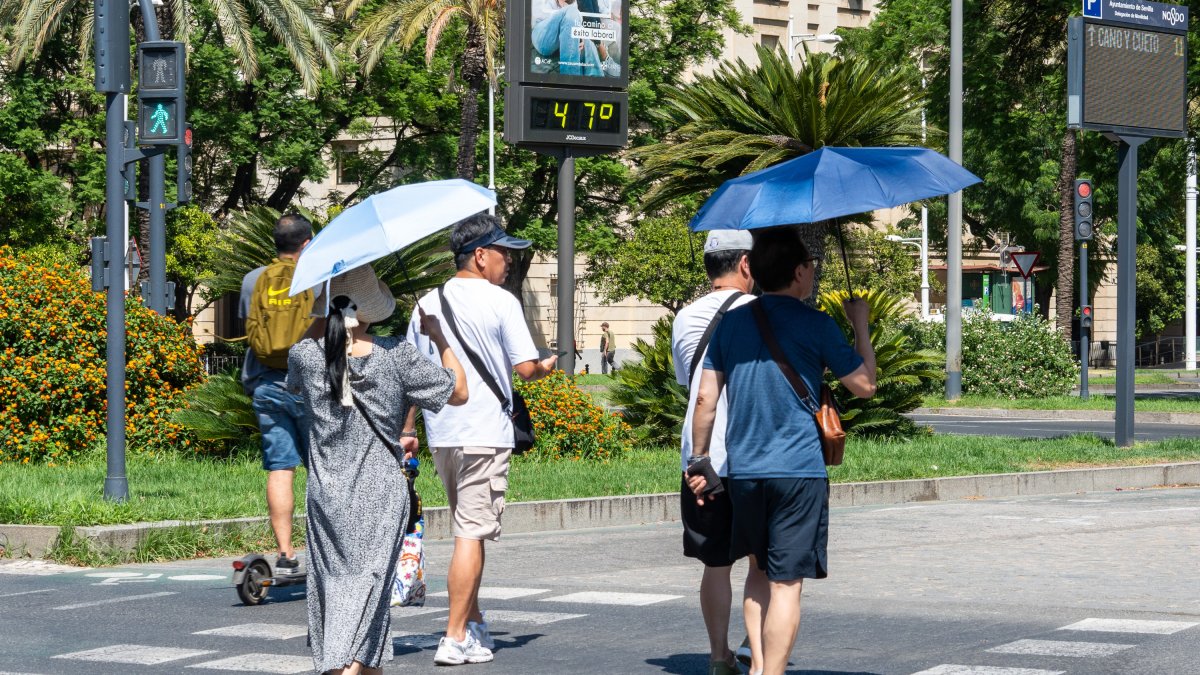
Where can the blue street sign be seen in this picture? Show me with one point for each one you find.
(1143, 13)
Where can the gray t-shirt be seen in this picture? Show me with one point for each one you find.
(252, 368)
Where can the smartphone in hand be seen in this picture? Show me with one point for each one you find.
(702, 466)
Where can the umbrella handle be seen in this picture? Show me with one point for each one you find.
(845, 259)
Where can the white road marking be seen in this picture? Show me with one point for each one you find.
(37, 568)
(261, 663)
(199, 577)
(265, 631)
(415, 640)
(1131, 626)
(610, 598)
(1060, 648)
(405, 612)
(12, 595)
(503, 616)
(126, 579)
(498, 593)
(142, 655)
(951, 669)
(126, 598)
(114, 575)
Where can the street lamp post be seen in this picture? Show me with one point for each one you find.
(793, 40)
(922, 244)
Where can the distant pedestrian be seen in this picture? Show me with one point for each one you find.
(471, 445)
(707, 530)
(275, 321)
(356, 390)
(777, 480)
(608, 349)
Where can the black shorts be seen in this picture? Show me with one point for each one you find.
(783, 523)
(706, 529)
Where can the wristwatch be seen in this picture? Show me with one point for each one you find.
(408, 434)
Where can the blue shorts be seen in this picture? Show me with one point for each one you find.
(282, 421)
(783, 523)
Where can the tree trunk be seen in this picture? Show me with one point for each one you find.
(1066, 237)
(474, 74)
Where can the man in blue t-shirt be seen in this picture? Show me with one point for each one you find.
(777, 480)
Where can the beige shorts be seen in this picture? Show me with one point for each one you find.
(475, 479)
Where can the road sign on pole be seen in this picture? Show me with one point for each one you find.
(1025, 261)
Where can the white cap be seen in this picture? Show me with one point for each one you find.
(728, 240)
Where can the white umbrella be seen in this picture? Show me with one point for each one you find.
(385, 223)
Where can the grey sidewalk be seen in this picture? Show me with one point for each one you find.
(575, 514)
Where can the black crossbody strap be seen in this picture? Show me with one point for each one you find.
(708, 333)
(476, 362)
(789, 373)
(396, 452)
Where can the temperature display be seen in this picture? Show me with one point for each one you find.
(575, 115)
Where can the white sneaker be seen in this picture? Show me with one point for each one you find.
(451, 652)
(480, 631)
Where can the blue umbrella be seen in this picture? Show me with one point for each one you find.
(829, 183)
(385, 223)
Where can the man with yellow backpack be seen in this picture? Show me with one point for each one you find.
(276, 320)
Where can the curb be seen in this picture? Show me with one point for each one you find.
(576, 514)
(1103, 415)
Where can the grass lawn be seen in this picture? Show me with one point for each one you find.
(595, 379)
(1094, 402)
(1138, 378)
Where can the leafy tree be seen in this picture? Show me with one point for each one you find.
(661, 264)
(879, 264)
(654, 404)
(405, 22)
(192, 256)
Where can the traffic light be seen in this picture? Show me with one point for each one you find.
(111, 19)
(1085, 316)
(1084, 231)
(183, 168)
(162, 110)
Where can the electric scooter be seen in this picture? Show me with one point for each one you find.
(254, 576)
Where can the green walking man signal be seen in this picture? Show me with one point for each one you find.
(162, 110)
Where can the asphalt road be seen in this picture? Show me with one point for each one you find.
(1043, 428)
(1095, 583)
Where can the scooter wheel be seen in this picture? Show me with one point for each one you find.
(251, 590)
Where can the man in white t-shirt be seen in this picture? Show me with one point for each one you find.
(472, 443)
(707, 530)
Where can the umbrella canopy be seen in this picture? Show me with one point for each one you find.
(385, 223)
(829, 183)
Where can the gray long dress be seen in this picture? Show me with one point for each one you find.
(357, 501)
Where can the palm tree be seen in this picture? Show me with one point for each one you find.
(744, 118)
(297, 24)
(404, 22)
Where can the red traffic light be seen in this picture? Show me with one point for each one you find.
(187, 136)
(1087, 311)
(1084, 190)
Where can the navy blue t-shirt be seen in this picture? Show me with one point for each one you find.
(770, 433)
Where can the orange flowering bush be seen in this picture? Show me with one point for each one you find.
(568, 423)
(52, 365)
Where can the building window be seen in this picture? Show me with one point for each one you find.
(349, 164)
(769, 41)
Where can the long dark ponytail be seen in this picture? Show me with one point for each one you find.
(335, 345)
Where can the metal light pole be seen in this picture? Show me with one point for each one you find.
(922, 244)
(1189, 347)
(566, 262)
(954, 219)
(924, 220)
(492, 140)
(793, 40)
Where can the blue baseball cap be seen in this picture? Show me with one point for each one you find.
(497, 237)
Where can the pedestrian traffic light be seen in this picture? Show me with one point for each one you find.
(162, 110)
(1085, 316)
(183, 168)
(1084, 231)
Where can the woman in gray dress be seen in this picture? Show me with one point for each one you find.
(357, 387)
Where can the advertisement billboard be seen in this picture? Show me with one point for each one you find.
(583, 43)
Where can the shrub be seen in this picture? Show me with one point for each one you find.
(653, 402)
(220, 411)
(52, 366)
(903, 369)
(568, 424)
(1023, 358)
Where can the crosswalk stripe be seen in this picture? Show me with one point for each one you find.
(952, 669)
(498, 593)
(1131, 626)
(264, 631)
(405, 612)
(261, 663)
(109, 601)
(1060, 648)
(610, 598)
(503, 616)
(142, 655)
